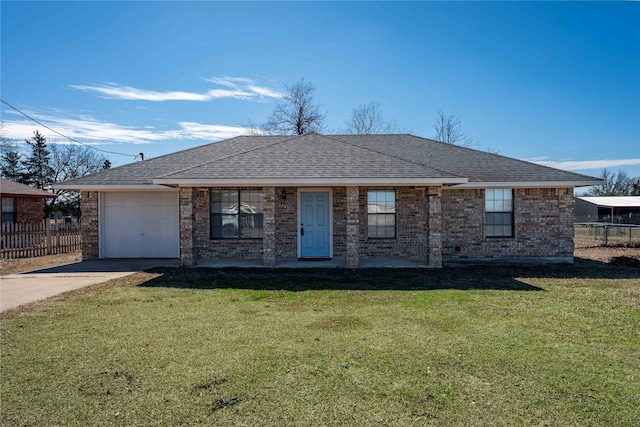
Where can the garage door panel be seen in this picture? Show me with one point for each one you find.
(113, 214)
(140, 225)
(152, 214)
(159, 214)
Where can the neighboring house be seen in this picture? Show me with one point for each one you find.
(22, 204)
(347, 197)
(617, 209)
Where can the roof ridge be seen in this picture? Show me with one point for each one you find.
(396, 156)
(233, 155)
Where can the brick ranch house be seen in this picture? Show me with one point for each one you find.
(22, 204)
(348, 198)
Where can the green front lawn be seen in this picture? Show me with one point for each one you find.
(469, 346)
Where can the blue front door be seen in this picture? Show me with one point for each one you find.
(315, 228)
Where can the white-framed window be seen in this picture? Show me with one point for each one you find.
(237, 214)
(498, 212)
(381, 214)
(8, 210)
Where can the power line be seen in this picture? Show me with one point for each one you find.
(65, 136)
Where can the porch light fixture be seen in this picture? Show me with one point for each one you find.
(283, 194)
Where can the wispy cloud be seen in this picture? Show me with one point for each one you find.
(230, 81)
(199, 131)
(234, 88)
(245, 84)
(574, 165)
(116, 91)
(91, 130)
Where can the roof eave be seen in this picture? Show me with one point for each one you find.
(527, 184)
(29, 196)
(302, 182)
(110, 187)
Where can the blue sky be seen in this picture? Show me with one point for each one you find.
(557, 83)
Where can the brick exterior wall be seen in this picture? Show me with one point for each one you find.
(206, 248)
(543, 225)
(269, 227)
(186, 216)
(90, 228)
(340, 222)
(434, 195)
(286, 219)
(411, 226)
(353, 226)
(432, 225)
(29, 210)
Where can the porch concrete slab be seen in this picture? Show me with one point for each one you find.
(296, 263)
(24, 288)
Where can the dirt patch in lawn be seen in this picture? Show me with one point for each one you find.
(21, 265)
(588, 248)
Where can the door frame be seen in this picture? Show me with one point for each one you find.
(298, 227)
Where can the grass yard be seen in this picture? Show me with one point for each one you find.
(553, 345)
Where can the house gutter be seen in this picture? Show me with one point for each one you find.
(527, 184)
(111, 187)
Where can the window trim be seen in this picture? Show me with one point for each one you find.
(238, 214)
(511, 215)
(382, 214)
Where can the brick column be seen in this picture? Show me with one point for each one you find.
(269, 226)
(90, 228)
(186, 218)
(434, 202)
(566, 206)
(353, 227)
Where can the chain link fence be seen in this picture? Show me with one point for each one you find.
(608, 233)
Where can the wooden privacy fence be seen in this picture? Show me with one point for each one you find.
(46, 238)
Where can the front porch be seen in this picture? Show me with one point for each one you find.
(302, 264)
(414, 240)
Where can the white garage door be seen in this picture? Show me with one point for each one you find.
(140, 225)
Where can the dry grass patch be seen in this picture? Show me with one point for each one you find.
(19, 265)
(471, 346)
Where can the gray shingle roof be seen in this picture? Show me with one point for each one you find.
(329, 158)
(478, 166)
(15, 189)
(309, 156)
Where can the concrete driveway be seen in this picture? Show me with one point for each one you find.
(23, 288)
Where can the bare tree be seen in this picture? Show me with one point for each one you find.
(368, 119)
(252, 128)
(448, 129)
(616, 184)
(70, 162)
(296, 114)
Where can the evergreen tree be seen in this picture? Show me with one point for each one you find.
(37, 165)
(11, 166)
